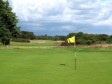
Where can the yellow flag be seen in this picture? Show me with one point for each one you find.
(71, 40)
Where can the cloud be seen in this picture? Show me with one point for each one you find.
(37, 10)
(63, 15)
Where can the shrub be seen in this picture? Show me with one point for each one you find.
(64, 44)
(5, 40)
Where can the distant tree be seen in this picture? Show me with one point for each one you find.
(71, 34)
(8, 23)
(88, 39)
(46, 37)
(109, 40)
(27, 35)
(102, 38)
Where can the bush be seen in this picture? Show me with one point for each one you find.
(5, 40)
(64, 44)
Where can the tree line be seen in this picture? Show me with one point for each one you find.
(54, 38)
(88, 39)
(81, 38)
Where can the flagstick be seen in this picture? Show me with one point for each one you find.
(75, 61)
(72, 40)
(75, 56)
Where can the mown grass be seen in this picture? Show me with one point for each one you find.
(55, 66)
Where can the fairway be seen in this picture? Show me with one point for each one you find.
(55, 66)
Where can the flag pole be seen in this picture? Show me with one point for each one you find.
(75, 57)
(72, 40)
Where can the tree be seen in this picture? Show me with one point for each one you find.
(109, 40)
(88, 39)
(5, 36)
(27, 35)
(103, 37)
(8, 23)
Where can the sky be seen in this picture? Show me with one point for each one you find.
(61, 17)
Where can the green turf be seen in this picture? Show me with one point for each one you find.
(55, 66)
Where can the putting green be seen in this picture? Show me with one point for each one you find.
(55, 66)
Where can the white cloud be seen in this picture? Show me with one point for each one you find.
(61, 10)
(26, 9)
(93, 12)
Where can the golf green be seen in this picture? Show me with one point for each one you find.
(55, 66)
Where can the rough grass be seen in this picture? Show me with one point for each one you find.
(55, 66)
(38, 44)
